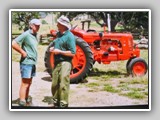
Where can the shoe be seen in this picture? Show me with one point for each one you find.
(29, 101)
(63, 105)
(53, 103)
(22, 103)
(56, 105)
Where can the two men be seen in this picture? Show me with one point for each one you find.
(63, 48)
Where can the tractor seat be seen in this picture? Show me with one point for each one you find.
(100, 34)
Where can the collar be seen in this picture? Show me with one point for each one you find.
(31, 32)
(65, 32)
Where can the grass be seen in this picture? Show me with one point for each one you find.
(15, 56)
(135, 95)
(139, 80)
(110, 88)
(92, 84)
(123, 87)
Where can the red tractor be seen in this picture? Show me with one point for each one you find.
(92, 46)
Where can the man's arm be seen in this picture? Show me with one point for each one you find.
(16, 47)
(65, 53)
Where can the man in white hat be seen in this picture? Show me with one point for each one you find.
(26, 45)
(64, 49)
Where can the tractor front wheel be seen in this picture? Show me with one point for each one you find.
(137, 67)
(127, 64)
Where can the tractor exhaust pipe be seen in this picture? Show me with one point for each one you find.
(109, 22)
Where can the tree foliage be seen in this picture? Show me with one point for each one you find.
(131, 21)
(22, 18)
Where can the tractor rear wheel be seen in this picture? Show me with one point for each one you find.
(82, 61)
(137, 67)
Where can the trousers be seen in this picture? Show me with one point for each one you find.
(61, 82)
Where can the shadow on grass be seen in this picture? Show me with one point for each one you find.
(48, 99)
(96, 72)
(49, 79)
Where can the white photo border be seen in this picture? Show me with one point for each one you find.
(76, 10)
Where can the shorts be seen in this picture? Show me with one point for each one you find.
(27, 70)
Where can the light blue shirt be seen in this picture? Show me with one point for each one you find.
(29, 43)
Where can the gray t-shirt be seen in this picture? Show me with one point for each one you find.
(29, 43)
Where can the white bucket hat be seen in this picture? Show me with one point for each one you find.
(35, 21)
(64, 21)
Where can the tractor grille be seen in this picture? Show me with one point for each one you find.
(130, 44)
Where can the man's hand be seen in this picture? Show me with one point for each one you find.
(51, 49)
(55, 51)
(24, 54)
(16, 46)
(58, 51)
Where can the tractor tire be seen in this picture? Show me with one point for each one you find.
(48, 60)
(128, 64)
(137, 67)
(82, 61)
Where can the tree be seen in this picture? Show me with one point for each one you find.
(131, 21)
(22, 18)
